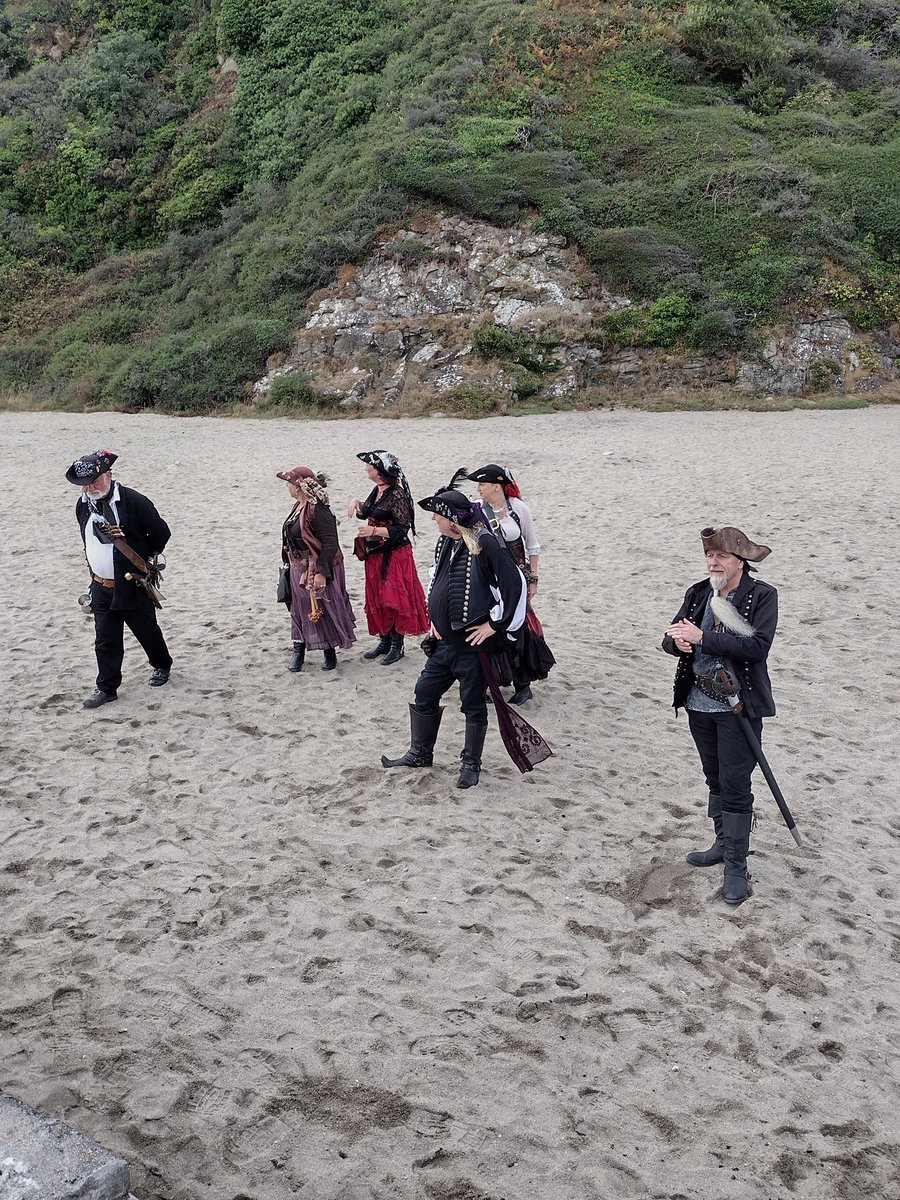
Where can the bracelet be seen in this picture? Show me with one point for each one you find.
(533, 579)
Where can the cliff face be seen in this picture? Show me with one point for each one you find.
(449, 305)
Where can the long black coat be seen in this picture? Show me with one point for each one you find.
(757, 602)
(145, 532)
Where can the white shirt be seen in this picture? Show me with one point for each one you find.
(100, 556)
(511, 529)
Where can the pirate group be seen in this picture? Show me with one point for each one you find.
(478, 626)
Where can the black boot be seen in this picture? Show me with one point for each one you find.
(715, 854)
(330, 659)
(736, 845)
(296, 663)
(396, 651)
(470, 770)
(423, 731)
(381, 647)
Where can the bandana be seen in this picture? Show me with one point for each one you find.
(312, 485)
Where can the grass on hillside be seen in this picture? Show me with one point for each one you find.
(671, 400)
(727, 162)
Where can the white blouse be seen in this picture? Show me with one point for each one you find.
(510, 528)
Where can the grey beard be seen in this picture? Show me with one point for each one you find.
(717, 582)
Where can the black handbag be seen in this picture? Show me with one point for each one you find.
(283, 591)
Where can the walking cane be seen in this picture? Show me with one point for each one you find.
(729, 687)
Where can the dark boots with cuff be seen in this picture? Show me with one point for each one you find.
(715, 854)
(736, 846)
(396, 651)
(470, 771)
(423, 731)
(380, 648)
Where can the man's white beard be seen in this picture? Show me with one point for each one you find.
(717, 582)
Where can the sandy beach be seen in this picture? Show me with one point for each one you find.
(240, 954)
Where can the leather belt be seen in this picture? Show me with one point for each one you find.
(107, 583)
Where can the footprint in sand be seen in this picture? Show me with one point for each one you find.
(66, 1038)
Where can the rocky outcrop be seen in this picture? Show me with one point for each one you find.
(819, 354)
(416, 325)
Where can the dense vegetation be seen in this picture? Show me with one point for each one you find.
(165, 217)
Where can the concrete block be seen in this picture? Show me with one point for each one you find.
(43, 1159)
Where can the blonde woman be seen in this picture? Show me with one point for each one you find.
(476, 601)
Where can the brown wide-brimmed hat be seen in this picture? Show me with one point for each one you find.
(727, 539)
(295, 474)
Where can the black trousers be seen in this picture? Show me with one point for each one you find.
(451, 663)
(109, 637)
(725, 756)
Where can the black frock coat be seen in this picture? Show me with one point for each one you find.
(145, 532)
(757, 602)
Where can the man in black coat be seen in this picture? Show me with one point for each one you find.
(108, 512)
(476, 602)
(727, 619)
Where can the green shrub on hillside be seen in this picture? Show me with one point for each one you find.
(158, 18)
(735, 38)
(536, 355)
(196, 371)
(241, 23)
(470, 402)
(292, 391)
(13, 56)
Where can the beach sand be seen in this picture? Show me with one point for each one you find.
(243, 956)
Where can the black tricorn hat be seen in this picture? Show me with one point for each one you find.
(491, 473)
(91, 466)
(454, 506)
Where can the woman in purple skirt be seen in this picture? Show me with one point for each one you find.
(321, 616)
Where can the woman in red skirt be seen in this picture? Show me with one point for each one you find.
(395, 602)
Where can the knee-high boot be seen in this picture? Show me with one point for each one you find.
(736, 846)
(470, 771)
(296, 663)
(715, 854)
(396, 651)
(423, 731)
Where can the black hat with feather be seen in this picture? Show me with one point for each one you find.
(451, 503)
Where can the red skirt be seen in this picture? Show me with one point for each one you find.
(396, 602)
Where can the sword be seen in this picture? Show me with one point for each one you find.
(728, 686)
